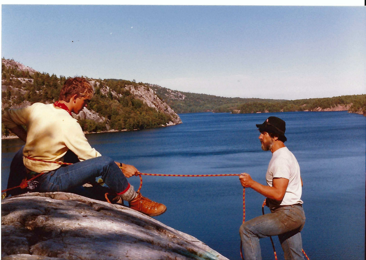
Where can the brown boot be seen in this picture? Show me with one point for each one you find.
(147, 206)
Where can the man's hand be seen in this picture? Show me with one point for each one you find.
(128, 170)
(276, 192)
(245, 180)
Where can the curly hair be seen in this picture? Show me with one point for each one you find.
(79, 86)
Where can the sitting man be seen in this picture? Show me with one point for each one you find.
(53, 134)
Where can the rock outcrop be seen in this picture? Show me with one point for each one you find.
(17, 65)
(60, 225)
(149, 97)
(89, 114)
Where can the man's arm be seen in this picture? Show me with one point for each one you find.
(20, 132)
(14, 119)
(277, 192)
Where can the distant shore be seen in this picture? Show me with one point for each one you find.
(125, 130)
(88, 133)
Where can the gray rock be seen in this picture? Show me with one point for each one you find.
(58, 225)
(29, 257)
(149, 97)
(19, 66)
(85, 113)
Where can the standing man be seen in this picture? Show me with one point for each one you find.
(53, 136)
(283, 192)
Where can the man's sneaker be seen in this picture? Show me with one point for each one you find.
(147, 206)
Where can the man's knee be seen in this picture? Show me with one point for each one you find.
(244, 229)
(105, 160)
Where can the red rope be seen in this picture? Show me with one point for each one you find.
(208, 175)
(303, 251)
(106, 198)
(24, 184)
(181, 175)
(273, 246)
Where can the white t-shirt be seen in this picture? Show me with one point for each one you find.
(284, 165)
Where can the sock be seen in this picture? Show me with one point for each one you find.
(128, 194)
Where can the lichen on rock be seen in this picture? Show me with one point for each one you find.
(59, 225)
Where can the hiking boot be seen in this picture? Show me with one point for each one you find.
(147, 206)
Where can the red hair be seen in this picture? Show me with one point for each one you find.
(79, 86)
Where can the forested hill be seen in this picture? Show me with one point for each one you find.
(351, 103)
(184, 102)
(126, 105)
(116, 105)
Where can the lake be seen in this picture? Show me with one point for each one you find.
(330, 148)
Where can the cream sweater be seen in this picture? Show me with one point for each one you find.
(51, 132)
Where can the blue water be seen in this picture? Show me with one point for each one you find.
(330, 147)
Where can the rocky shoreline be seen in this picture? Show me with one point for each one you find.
(87, 133)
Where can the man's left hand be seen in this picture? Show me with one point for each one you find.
(129, 170)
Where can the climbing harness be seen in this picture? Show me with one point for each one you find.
(31, 182)
(26, 183)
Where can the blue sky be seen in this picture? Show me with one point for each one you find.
(286, 52)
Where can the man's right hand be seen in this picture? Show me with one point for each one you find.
(245, 180)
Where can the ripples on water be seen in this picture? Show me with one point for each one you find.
(330, 147)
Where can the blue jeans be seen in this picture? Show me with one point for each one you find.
(71, 177)
(284, 222)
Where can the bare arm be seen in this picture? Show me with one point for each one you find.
(20, 132)
(277, 192)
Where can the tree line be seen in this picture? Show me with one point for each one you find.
(185, 102)
(118, 106)
(357, 104)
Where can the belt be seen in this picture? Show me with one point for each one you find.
(291, 205)
(282, 206)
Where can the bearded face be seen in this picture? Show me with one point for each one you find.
(266, 141)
